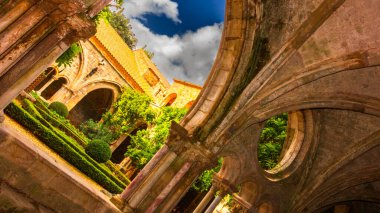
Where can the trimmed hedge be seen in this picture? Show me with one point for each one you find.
(71, 142)
(116, 171)
(65, 150)
(59, 108)
(99, 150)
(69, 130)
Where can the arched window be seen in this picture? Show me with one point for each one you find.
(53, 88)
(169, 100)
(42, 79)
(189, 104)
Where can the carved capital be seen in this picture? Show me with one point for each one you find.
(185, 146)
(223, 184)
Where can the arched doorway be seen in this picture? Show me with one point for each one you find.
(91, 106)
(118, 154)
(53, 88)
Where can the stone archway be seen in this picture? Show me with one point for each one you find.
(92, 106)
(42, 80)
(53, 88)
(118, 153)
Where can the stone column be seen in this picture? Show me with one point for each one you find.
(202, 205)
(215, 202)
(174, 181)
(148, 184)
(46, 85)
(167, 182)
(31, 39)
(13, 14)
(118, 200)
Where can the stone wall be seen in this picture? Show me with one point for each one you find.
(34, 179)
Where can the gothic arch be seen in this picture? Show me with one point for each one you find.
(54, 87)
(90, 86)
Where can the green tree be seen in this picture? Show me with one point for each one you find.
(147, 142)
(204, 181)
(120, 23)
(131, 108)
(271, 140)
(123, 28)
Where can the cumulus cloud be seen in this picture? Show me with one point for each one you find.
(138, 8)
(187, 57)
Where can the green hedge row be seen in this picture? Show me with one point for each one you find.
(70, 130)
(59, 121)
(61, 147)
(116, 171)
(71, 142)
(55, 121)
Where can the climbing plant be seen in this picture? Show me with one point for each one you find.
(67, 58)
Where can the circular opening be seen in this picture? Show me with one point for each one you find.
(271, 141)
(287, 134)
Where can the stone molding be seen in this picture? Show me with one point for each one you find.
(185, 146)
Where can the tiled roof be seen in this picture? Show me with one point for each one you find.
(116, 46)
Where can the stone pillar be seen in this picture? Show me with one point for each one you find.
(46, 85)
(202, 205)
(144, 172)
(184, 169)
(215, 202)
(33, 34)
(170, 178)
(14, 13)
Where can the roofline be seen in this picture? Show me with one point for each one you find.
(115, 63)
(187, 83)
(158, 72)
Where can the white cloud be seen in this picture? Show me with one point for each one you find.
(187, 57)
(138, 8)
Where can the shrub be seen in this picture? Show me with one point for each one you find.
(59, 108)
(65, 150)
(99, 150)
(96, 130)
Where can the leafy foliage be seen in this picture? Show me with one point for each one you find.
(123, 28)
(147, 142)
(131, 108)
(64, 146)
(271, 141)
(149, 53)
(67, 58)
(204, 181)
(120, 23)
(59, 108)
(97, 130)
(99, 150)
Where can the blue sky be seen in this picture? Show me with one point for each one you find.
(183, 34)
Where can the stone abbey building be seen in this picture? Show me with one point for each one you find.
(317, 60)
(97, 76)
